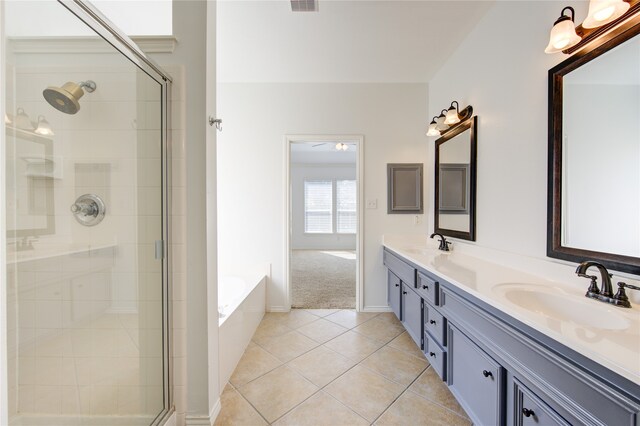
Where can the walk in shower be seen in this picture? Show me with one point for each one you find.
(86, 221)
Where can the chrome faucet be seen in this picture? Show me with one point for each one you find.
(444, 244)
(606, 294)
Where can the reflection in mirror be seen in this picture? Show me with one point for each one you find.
(594, 143)
(455, 182)
(603, 159)
(29, 165)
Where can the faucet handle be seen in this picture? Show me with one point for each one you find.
(593, 287)
(621, 298)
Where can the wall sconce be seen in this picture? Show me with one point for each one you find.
(565, 36)
(7, 120)
(44, 128)
(601, 12)
(448, 119)
(22, 120)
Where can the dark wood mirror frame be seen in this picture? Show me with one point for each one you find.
(555, 249)
(470, 124)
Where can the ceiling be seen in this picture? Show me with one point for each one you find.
(322, 153)
(345, 41)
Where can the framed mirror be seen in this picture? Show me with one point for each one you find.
(404, 188)
(594, 153)
(29, 184)
(455, 181)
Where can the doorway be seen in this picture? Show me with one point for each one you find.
(323, 222)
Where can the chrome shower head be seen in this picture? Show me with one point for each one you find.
(66, 98)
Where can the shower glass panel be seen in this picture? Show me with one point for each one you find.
(86, 281)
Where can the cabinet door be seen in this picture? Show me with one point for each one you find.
(475, 378)
(530, 410)
(393, 294)
(412, 314)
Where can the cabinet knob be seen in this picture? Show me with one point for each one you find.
(527, 412)
(432, 354)
(397, 285)
(404, 292)
(425, 287)
(486, 373)
(432, 321)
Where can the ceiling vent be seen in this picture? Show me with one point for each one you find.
(304, 5)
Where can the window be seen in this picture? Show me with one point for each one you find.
(318, 203)
(325, 200)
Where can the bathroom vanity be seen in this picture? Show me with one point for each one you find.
(515, 349)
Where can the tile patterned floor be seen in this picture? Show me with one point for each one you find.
(335, 367)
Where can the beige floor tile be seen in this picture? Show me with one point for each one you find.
(405, 343)
(288, 346)
(389, 317)
(269, 327)
(254, 363)
(321, 365)
(322, 330)
(430, 386)
(349, 319)
(354, 346)
(293, 319)
(322, 312)
(277, 392)
(236, 411)
(364, 391)
(410, 409)
(321, 410)
(380, 328)
(396, 365)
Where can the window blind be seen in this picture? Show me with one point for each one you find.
(318, 206)
(346, 220)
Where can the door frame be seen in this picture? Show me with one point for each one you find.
(358, 140)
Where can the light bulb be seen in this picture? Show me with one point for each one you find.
(452, 116)
(432, 130)
(44, 128)
(563, 35)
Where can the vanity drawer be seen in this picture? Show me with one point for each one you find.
(403, 270)
(530, 410)
(435, 324)
(428, 289)
(436, 356)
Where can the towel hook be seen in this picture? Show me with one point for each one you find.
(215, 121)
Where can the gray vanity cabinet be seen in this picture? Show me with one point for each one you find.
(394, 287)
(502, 371)
(412, 313)
(475, 378)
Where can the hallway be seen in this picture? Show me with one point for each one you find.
(335, 367)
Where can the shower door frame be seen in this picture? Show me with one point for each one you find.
(104, 28)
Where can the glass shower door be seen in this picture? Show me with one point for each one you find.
(85, 226)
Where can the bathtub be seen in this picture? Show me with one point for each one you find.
(241, 306)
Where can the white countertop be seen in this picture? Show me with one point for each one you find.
(43, 251)
(607, 334)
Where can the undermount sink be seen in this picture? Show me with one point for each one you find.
(424, 251)
(554, 304)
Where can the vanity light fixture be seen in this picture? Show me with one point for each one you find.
(601, 12)
(44, 128)
(563, 34)
(22, 120)
(342, 146)
(449, 119)
(432, 128)
(452, 114)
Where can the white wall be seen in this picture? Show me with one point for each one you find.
(299, 239)
(251, 187)
(501, 69)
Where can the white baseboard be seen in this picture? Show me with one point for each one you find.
(213, 415)
(376, 309)
(198, 421)
(277, 309)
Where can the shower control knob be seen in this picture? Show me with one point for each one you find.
(89, 209)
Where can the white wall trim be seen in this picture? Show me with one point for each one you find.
(215, 410)
(376, 309)
(81, 44)
(4, 383)
(359, 141)
(197, 420)
(278, 308)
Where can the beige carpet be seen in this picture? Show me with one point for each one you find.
(323, 279)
